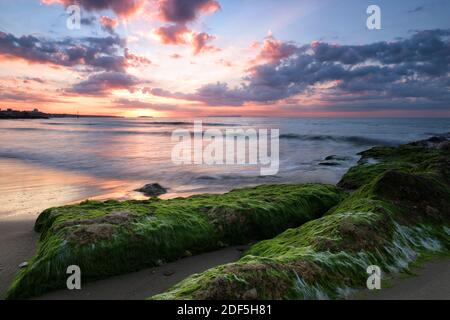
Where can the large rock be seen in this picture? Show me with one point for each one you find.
(152, 190)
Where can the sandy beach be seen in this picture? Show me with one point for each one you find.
(430, 281)
(17, 244)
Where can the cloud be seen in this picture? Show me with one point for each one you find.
(137, 104)
(123, 8)
(179, 13)
(217, 94)
(88, 21)
(183, 11)
(20, 94)
(173, 34)
(135, 60)
(411, 70)
(102, 83)
(273, 50)
(108, 24)
(94, 54)
(179, 34)
(200, 43)
(34, 79)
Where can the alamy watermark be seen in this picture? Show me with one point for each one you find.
(235, 146)
(73, 21)
(374, 20)
(74, 280)
(374, 279)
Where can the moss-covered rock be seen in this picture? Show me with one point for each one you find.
(112, 237)
(400, 211)
(429, 155)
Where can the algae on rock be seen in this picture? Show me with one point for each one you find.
(112, 237)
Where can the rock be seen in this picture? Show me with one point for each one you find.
(168, 273)
(23, 265)
(445, 146)
(152, 190)
(251, 294)
(91, 233)
(328, 163)
(435, 142)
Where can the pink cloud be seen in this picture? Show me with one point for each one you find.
(172, 34)
(274, 50)
(200, 43)
(133, 60)
(109, 24)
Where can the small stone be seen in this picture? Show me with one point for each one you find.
(328, 163)
(251, 294)
(23, 265)
(168, 273)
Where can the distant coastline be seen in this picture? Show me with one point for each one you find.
(10, 114)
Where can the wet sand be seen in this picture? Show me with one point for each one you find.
(430, 282)
(146, 283)
(27, 188)
(17, 244)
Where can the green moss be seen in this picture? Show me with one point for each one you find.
(411, 158)
(399, 214)
(112, 237)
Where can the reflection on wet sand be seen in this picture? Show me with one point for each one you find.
(28, 189)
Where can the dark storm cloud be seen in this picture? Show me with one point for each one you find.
(415, 68)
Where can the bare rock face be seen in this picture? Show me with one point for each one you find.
(152, 190)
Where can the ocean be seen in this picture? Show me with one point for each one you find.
(45, 163)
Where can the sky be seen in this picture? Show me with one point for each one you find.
(187, 58)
